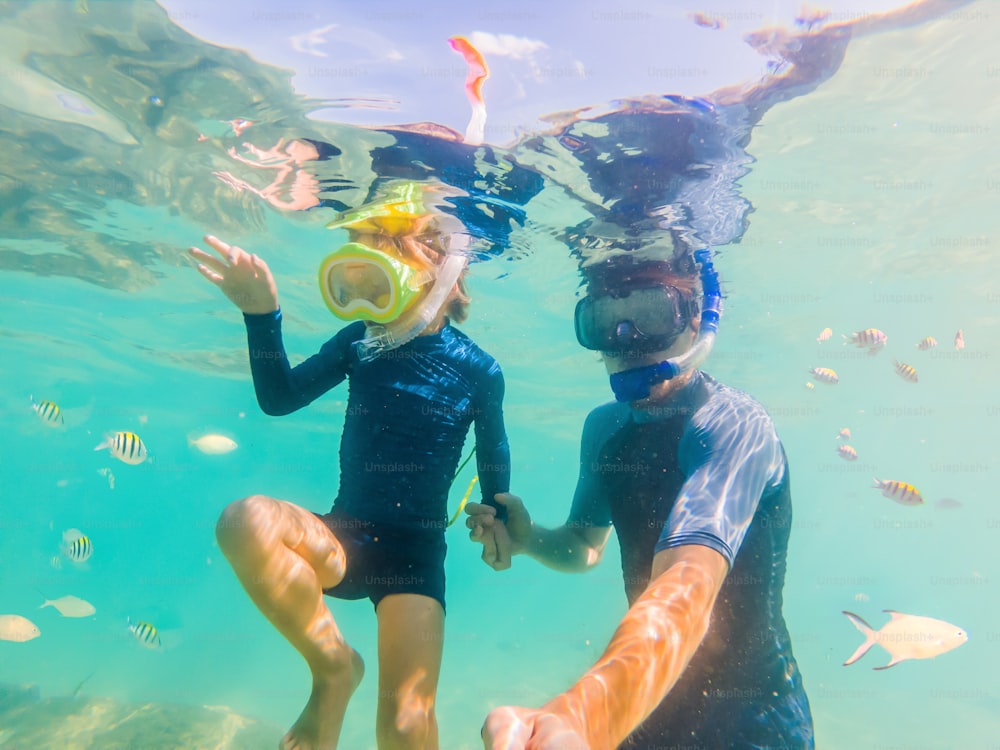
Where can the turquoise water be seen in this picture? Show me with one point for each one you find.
(874, 205)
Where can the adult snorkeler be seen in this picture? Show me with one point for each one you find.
(416, 385)
(693, 478)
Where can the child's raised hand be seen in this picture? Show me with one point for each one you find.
(244, 278)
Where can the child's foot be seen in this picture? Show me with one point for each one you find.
(318, 726)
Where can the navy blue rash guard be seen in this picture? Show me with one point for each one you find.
(706, 469)
(408, 414)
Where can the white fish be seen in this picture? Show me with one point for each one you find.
(213, 445)
(17, 628)
(71, 606)
(908, 637)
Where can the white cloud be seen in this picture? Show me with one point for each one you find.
(506, 45)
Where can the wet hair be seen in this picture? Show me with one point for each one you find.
(425, 248)
(325, 150)
(611, 279)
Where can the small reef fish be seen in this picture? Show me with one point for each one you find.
(71, 606)
(825, 375)
(871, 338)
(847, 453)
(825, 334)
(906, 372)
(49, 412)
(77, 546)
(18, 629)
(213, 445)
(927, 343)
(959, 340)
(125, 446)
(844, 434)
(907, 637)
(144, 633)
(810, 386)
(901, 492)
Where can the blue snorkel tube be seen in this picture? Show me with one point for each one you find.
(634, 384)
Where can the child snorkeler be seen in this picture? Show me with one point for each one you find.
(416, 383)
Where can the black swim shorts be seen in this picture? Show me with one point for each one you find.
(384, 559)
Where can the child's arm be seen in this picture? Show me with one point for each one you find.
(247, 281)
(492, 449)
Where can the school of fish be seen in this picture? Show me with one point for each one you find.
(77, 547)
(905, 636)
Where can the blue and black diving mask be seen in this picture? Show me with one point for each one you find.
(648, 319)
(637, 322)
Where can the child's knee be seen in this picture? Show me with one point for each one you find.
(242, 521)
(404, 722)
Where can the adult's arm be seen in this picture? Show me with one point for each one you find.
(650, 649)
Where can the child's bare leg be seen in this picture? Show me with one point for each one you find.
(285, 556)
(410, 636)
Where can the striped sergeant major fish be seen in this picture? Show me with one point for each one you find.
(145, 633)
(77, 545)
(125, 446)
(901, 492)
(825, 375)
(906, 372)
(48, 411)
(872, 338)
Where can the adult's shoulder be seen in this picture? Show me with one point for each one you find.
(727, 407)
(719, 395)
(606, 418)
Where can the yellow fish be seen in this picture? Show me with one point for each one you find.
(907, 637)
(825, 334)
(927, 343)
(49, 412)
(125, 446)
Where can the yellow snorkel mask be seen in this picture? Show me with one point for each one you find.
(399, 212)
(361, 283)
(397, 300)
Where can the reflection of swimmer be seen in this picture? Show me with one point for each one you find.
(416, 385)
(294, 188)
(693, 478)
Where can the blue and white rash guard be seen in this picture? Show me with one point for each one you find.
(706, 469)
